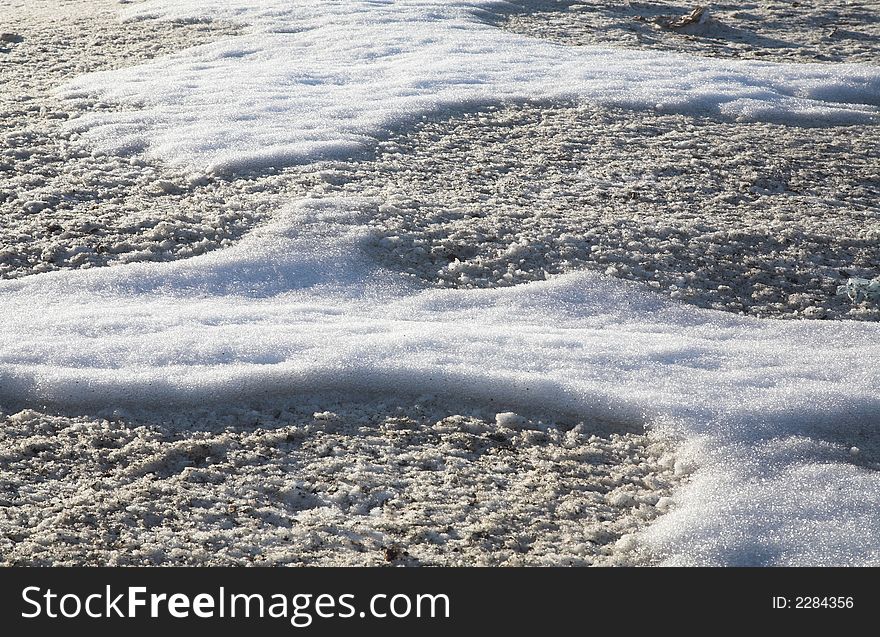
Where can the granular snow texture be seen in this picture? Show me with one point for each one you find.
(754, 217)
(64, 205)
(367, 485)
(775, 30)
(354, 488)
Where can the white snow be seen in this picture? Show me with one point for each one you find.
(320, 78)
(768, 410)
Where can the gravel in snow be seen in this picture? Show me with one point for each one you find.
(754, 218)
(362, 484)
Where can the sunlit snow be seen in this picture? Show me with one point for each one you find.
(298, 307)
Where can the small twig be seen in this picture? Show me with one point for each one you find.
(697, 16)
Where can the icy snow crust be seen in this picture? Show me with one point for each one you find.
(767, 410)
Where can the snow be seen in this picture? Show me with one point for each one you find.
(511, 420)
(319, 79)
(767, 410)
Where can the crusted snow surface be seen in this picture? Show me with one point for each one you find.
(757, 218)
(296, 308)
(778, 30)
(768, 413)
(365, 484)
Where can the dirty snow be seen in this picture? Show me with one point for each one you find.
(63, 205)
(281, 486)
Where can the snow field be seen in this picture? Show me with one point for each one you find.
(767, 411)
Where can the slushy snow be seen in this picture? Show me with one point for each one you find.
(767, 410)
